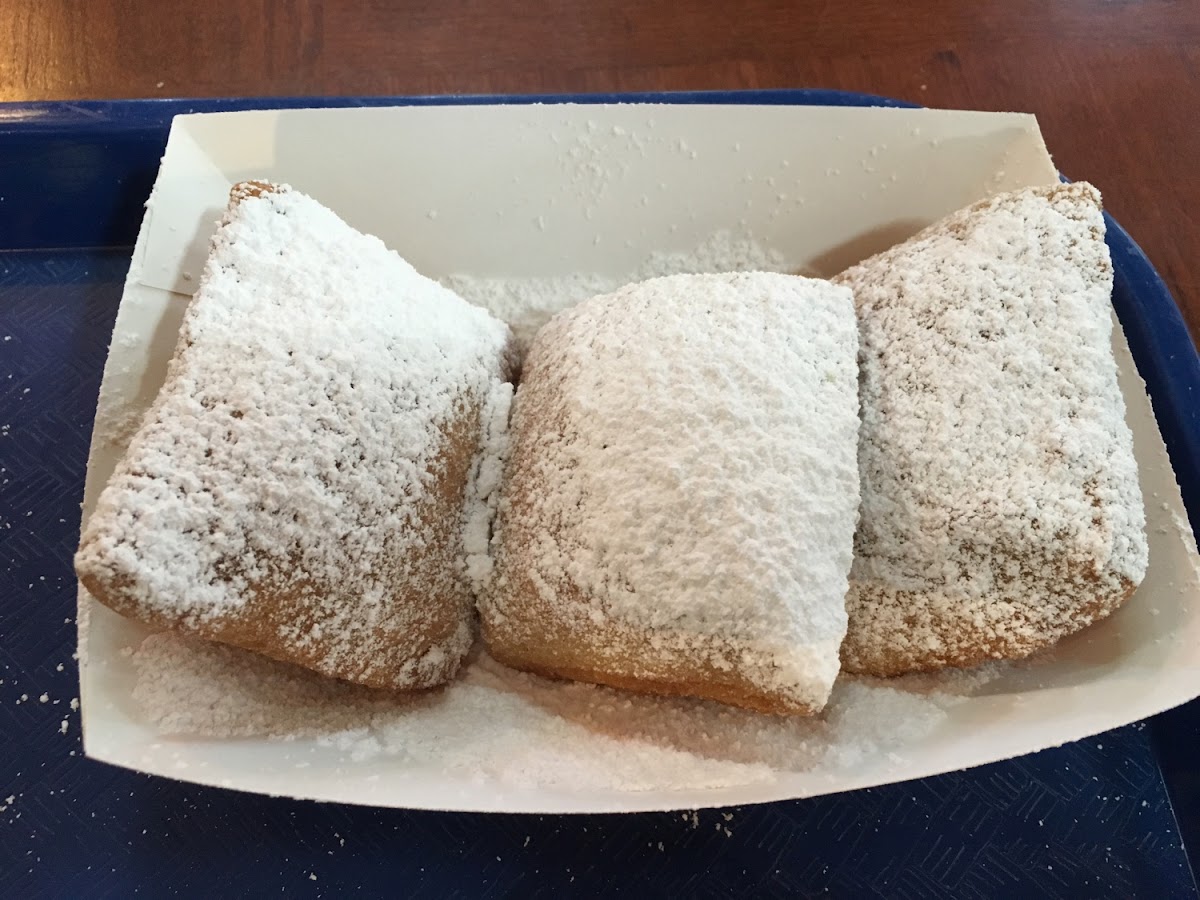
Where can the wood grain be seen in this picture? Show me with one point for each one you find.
(1114, 83)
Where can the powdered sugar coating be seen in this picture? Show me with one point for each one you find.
(1001, 508)
(301, 453)
(683, 481)
(483, 491)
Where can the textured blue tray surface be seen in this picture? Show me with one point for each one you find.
(1089, 819)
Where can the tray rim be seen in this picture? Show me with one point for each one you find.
(1162, 347)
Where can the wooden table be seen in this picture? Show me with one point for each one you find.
(1114, 83)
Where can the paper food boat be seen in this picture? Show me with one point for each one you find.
(552, 190)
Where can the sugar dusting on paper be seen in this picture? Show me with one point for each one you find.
(521, 730)
(526, 304)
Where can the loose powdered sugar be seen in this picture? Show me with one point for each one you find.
(521, 730)
(526, 304)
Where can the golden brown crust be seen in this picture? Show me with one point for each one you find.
(929, 629)
(245, 190)
(958, 646)
(707, 686)
(279, 603)
(582, 651)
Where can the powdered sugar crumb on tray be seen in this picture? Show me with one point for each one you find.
(522, 730)
(528, 303)
(1001, 508)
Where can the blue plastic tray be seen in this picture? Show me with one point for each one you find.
(1093, 818)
